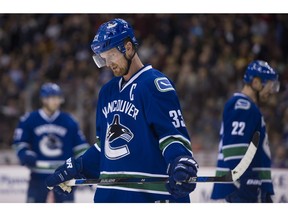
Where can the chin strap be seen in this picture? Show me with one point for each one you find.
(257, 94)
(129, 61)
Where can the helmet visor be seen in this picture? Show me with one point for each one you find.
(272, 86)
(99, 61)
(107, 58)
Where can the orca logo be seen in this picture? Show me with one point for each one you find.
(114, 132)
(51, 146)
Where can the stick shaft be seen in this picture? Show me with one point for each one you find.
(231, 176)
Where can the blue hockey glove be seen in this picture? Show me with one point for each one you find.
(180, 170)
(248, 191)
(265, 197)
(27, 157)
(71, 169)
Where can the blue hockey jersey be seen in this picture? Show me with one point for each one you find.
(53, 139)
(141, 130)
(241, 119)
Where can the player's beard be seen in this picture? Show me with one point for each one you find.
(265, 94)
(119, 71)
(263, 98)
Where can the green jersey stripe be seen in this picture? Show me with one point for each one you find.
(172, 139)
(237, 151)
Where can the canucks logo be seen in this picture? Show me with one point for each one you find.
(163, 84)
(51, 146)
(117, 132)
(242, 104)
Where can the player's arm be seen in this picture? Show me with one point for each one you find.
(85, 166)
(164, 115)
(240, 122)
(80, 144)
(22, 143)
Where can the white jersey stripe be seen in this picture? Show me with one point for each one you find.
(174, 136)
(178, 143)
(222, 169)
(132, 189)
(132, 173)
(148, 67)
(235, 145)
(239, 157)
(261, 169)
(81, 146)
(97, 147)
(20, 146)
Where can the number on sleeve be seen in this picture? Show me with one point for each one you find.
(177, 118)
(238, 128)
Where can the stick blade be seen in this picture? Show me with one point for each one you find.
(238, 171)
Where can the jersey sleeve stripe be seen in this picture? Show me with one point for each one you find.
(237, 151)
(222, 169)
(175, 136)
(235, 145)
(221, 172)
(97, 147)
(81, 147)
(261, 169)
(19, 146)
(264, 174)
(239, 157)
(164, 142)
(80, 150)
(163, 151)
(220, 156)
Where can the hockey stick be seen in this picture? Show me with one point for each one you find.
(232, 176)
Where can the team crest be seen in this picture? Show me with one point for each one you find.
(163, 84)
(51, 146)
(117, 132)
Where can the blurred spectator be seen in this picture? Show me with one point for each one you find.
(205, 56)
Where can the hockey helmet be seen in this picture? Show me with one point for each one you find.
(111, 34)
(264, 71)
(50, 89)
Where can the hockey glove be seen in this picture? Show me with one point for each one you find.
(27, 157)
(180, 170)
(265, 197)
(71, 169)
(248, 191)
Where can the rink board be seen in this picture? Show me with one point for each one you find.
(14, 181)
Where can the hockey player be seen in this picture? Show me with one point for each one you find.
(241, 119)
(139, 124)
(44, 139)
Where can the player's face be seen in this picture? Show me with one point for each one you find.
(52, 103)
(115, 61)
(271, 87)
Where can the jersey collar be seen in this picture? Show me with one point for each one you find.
(134, 77)
(49, 118)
